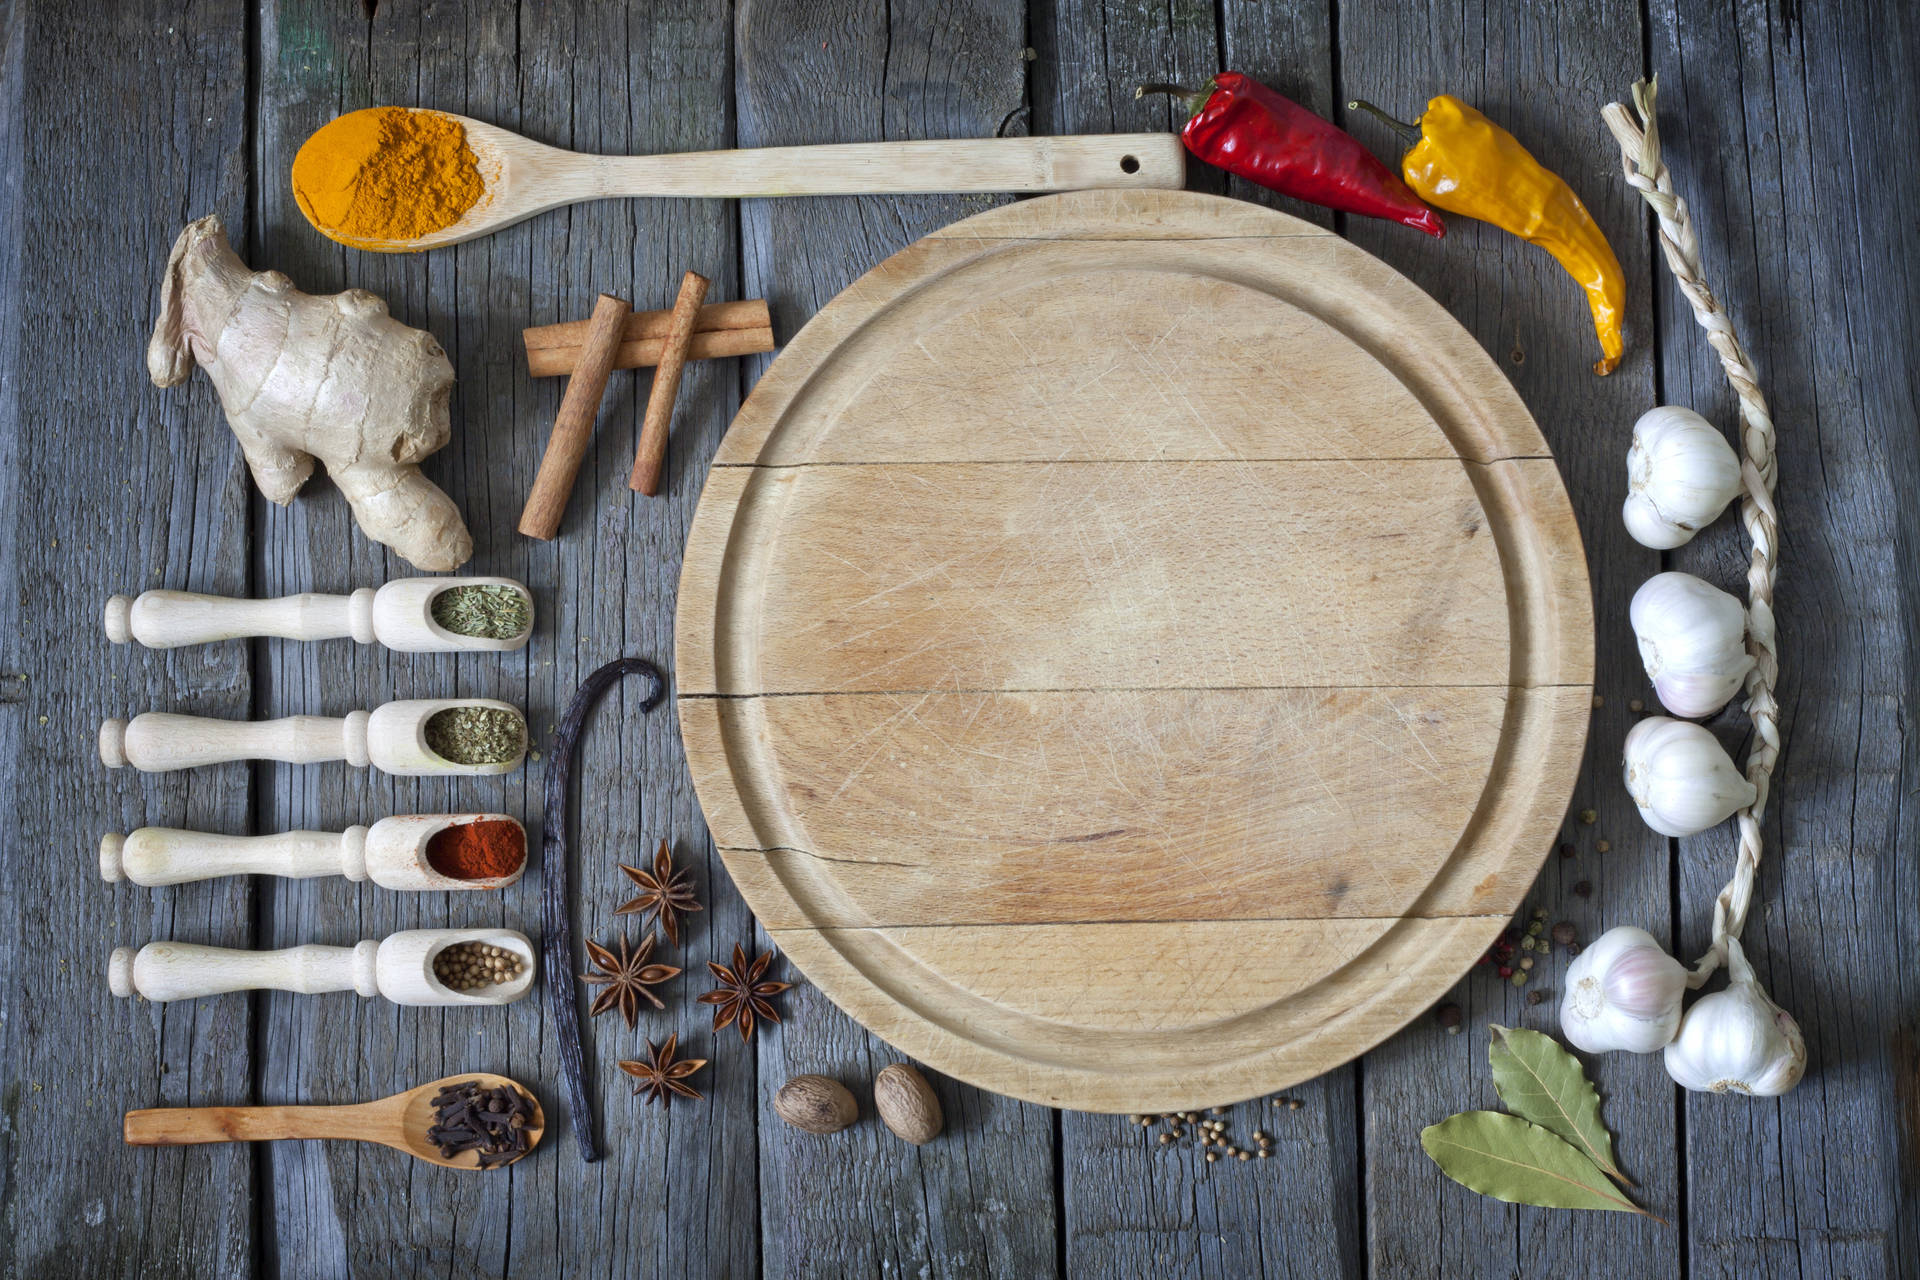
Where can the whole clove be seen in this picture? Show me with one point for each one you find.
(491, 1122)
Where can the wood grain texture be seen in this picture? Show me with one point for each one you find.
(982, 1199)
(79, 1203)
(1071, 675)
(1769, 118)
(1782, 123)
(1545, 74)
(597, 77)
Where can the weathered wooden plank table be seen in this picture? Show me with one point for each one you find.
(1788, 128)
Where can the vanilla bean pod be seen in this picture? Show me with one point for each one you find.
(555, 918)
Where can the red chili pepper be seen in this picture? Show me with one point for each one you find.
(1244, 127)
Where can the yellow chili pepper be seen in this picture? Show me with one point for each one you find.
(1466, 164)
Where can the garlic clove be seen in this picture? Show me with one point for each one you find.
(1681, 778)
(1623, 992)
(1738, 1040)
(1692, 638)
(1681, 474)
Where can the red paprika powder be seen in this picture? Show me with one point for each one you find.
(483, 850)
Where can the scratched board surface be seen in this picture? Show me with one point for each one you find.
(1786, 125)
(1130, 584)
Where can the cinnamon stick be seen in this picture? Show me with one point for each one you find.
(573, 425)
(649, 460)
(720, 329)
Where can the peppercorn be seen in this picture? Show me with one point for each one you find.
(1588, 817)
(1519, 979)
(1294, 1104)
(1527, 963)
(1601, 846)
(1536, 996)
(1566, 849)
(1564, 933)
(1634, 704)
(1598, 702)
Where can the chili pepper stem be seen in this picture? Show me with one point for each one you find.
(1195, 98)
(1408, 131)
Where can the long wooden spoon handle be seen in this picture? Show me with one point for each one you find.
(155, 742)
(899, 168)
(180, 1126)
(169, 619)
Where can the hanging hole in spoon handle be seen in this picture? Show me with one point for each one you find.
(1129, 164)
(557, 945)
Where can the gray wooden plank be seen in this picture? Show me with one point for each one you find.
(113, 485)
(1780, 134)
(674, 1194)
(1132, 1206)
(1544, 73)
(980, 1199)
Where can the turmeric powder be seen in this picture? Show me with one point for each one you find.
(386, 174)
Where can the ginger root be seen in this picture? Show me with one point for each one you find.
(304, 377)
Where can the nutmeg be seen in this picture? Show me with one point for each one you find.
(816, 1104)
(907, 1103)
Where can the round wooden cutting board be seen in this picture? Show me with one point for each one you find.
(1134, 650)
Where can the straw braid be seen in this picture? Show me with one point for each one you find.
(1640, 158)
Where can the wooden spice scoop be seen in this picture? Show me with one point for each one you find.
(391, 737)
(720, 329)
(399, 615)
(651, 456)
(400, 967)
(392, 853)
(400, 1121)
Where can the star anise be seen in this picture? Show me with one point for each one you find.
(665, 895)
(626, 977)
(741, 995)
(660, 1076)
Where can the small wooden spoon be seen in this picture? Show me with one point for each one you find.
(524, 177)
(400, 1122)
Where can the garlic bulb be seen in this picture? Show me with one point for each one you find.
(1623, 992)
(1681, 474)
(1692, 638)
(1681, 778)
(1738, 1039)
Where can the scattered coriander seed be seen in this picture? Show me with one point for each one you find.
(1564, 933)
(1218, 1111)
(1294, 1104)
(1211, 1157)
(1588, 817)
(1261, 1135)
(1243, 1155)
(1136, 1119)
(1166, 1139)
(1598, 702)
(1262, 1153)
(1635, 704)
(1601, 846)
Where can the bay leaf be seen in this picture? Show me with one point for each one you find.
(1517, 1161)
(1541, 1082)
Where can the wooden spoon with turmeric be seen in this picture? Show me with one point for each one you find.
(397, 179)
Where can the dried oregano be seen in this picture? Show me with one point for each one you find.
(476, 735)
(486, 610)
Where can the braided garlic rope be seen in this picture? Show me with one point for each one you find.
(1640, 158)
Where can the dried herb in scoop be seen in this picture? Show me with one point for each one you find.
(476, 735)
(486, 610)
